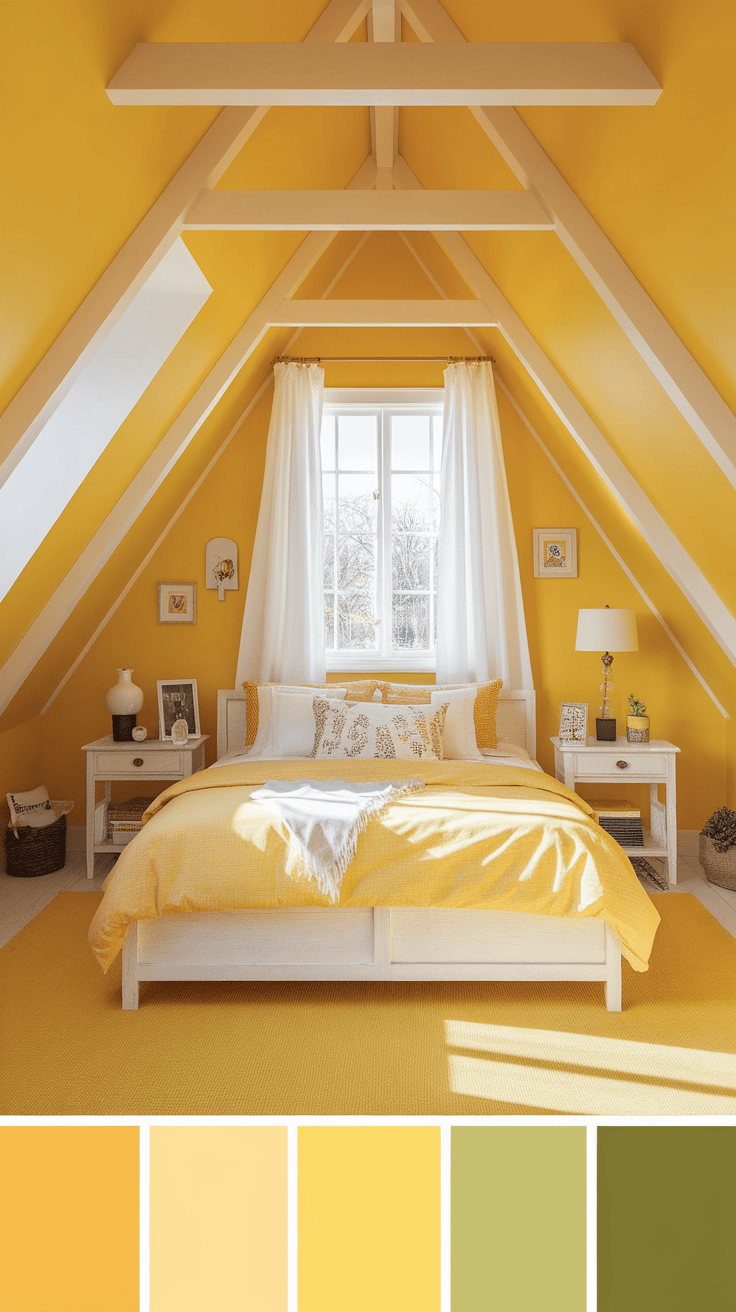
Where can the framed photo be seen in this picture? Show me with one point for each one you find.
(574, 722)
(555, 553)
(177, 603)
(177, 700)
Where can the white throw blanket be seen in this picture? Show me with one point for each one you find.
(326, 820)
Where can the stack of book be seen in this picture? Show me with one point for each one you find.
(125, 819)
(622, 821)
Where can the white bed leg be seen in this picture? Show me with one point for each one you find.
(612, 984)
(130, 969)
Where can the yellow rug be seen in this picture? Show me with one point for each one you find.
(344, 1049)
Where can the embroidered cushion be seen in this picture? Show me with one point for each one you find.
(345, 729)
(484, 711)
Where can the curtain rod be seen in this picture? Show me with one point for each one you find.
(383, 359)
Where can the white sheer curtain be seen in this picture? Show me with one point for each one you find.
(283, 638)
(481, 633)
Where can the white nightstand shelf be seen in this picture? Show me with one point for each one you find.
(617, 762)
(108, 761)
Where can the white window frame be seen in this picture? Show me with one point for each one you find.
(370, 400)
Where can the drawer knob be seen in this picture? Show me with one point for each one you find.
(137, 760)
(622, 765)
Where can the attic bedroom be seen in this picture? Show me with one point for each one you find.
(573, 230)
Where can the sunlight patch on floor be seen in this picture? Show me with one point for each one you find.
(646, 1079)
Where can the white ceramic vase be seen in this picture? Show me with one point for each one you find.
(125, 697)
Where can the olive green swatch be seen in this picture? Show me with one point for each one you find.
(518, 1219)
(666, 1218)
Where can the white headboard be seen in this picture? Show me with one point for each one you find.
(515, 719)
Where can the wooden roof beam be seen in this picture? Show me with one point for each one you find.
(684, 382)
(382, 314)
(379, 211)
(383, 73)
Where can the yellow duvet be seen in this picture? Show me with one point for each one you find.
(479, 835)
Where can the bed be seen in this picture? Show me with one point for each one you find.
(374, 942)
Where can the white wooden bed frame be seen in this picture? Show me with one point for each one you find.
(372, 943)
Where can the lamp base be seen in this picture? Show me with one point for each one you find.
(605, 730)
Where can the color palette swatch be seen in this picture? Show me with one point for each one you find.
(218, 1218)
(666, 1218)
(69, 1207)
(369, 1219)
(518, 1208)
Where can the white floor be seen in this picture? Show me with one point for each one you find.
(22, 899)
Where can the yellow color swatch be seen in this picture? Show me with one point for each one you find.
(218, 1221)
(69, 1218)
(369, 1219)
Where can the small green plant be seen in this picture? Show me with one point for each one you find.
(722, 829)
(635, 706)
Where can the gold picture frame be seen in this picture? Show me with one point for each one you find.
(555, 553)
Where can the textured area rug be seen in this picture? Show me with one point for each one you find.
(355, 1049)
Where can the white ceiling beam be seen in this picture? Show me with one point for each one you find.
(382, 211)
(382, 314)
(367, 73)
(384, 24)
(54, 375)
(611, 469)
(673, 366)
(149, 478)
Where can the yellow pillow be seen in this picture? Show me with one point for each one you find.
(361, 691)
(484, 710)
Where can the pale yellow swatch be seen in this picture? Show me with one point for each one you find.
(369, 1219)
(218, 1224)
(69, 1218)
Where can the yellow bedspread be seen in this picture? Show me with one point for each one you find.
(478, 835)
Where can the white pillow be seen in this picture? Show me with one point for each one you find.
(286, 720)
(365, 729)
(460, 744)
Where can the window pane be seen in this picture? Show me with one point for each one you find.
(410, 441)
(356, 621)
(437, 442)
(327, 441)
(410, 503)
(356, 554)
(357, 507)
(410, 622)
(410, 562)
(329, 620)
(356, 442)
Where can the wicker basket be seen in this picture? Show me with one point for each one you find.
(30, 852)
(719, 867)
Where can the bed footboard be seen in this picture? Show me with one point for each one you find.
(370, 943)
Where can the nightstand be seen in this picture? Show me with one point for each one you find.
(152, 759)
(650, 763)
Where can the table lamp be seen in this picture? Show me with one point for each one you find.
(611, 631)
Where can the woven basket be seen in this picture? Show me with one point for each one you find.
(719, 867)
(30, 852)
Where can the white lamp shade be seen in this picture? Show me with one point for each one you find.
(606, 630)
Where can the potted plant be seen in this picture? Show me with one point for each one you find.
(718, 848)
(637, 721)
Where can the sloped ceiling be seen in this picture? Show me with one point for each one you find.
(656, 179)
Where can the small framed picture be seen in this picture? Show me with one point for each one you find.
(177, 603)
(573, 722)
(555, 553)
(177, 700)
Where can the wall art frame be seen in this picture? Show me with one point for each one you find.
(555, 553)
(177, 603)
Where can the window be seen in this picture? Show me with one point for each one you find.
(381, 475)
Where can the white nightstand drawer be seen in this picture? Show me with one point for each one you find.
(613, 764)
(129, 764)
